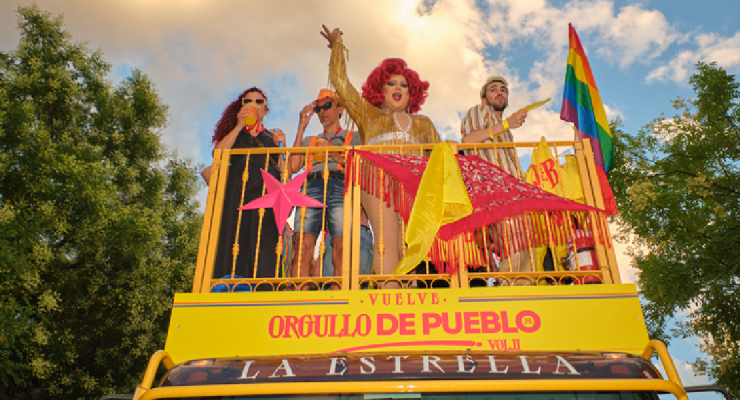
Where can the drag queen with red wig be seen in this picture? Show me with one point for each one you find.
(385, 114)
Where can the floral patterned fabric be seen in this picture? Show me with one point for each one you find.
(496, 196)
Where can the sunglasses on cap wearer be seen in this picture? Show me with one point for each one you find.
(258, 101)
(326, 106)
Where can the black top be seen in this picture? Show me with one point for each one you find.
(250, 224)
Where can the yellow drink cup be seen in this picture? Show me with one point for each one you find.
(251, 118)
(319, 157)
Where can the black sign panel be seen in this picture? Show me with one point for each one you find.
(411, 366)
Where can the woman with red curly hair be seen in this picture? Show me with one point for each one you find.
(232, 132)
(385, 114)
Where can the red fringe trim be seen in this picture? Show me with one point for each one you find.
(523, 231)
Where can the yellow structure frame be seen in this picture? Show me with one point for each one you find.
(350, 278)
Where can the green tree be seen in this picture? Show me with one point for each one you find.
(98, 223)
(677, 185)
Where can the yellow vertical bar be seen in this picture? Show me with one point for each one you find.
(454, 280)
(486, 250)
(215, 230)
(322, 245)
(519, 172)
(381, 242)
(611, 255)
(261, 213)
(235, 248)
(550, 242)
(205, 231)
(462, 266)
(532, 250)
(347, 279)
(561, 185)
(583, 171)
(280, 245)
(508, 251)
(571, 232)
(302, 211)
(605, 262)
(356, 226)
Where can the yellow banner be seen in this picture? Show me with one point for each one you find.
(552, 318)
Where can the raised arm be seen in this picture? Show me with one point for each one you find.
(297, 160)
(485, 132)
(357, 107)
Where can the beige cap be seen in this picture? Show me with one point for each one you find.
(488, 82)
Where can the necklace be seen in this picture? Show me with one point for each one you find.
(335, 135)
(398, 125)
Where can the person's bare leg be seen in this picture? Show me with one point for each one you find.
(394, 241)
(337, 245)
(389, 235)
(306, 255)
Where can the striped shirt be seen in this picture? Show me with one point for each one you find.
(481, 117)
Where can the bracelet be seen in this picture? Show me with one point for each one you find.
(506, 125)
(345, 50)
(490, 133)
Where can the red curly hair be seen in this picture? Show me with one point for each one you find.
(228, 119)
(372, 90)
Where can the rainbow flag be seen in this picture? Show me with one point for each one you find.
(582, 104)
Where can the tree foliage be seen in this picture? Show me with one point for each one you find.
(677, 184)
(98, 223)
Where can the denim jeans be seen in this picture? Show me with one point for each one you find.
(334, 207)
(366, 253)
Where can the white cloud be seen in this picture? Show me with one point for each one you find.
(200, 54)
(627, 273)
(725, 51)
(684, 370)
(636, 34)
(625, 36)
(613, 112)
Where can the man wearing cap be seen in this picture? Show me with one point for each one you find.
(328, 109)
(485, 123)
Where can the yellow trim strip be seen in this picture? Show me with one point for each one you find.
(419, 386)
(665, 358)
(151, 369)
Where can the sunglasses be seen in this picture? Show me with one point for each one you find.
(258, 101)
(326, 106)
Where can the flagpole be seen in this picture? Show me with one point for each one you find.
(575, 133)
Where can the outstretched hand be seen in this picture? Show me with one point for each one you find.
(517, 119)
(332, 36)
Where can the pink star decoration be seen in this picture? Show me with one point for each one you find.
(281, 198)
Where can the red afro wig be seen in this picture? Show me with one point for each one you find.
(372, 90)
(227, 123)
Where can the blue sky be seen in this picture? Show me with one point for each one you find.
(201, 53)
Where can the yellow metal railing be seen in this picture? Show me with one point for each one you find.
(350, 278)
(671, 385)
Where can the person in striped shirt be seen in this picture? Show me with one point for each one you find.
(484, 123)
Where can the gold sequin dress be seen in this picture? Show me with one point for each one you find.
(376, 126)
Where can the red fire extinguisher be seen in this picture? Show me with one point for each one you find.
(586, 254)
